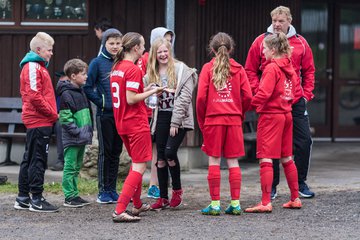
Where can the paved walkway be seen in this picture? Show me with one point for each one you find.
(335, 164)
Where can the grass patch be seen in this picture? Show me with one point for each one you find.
(86, 187)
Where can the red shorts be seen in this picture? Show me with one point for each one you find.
(274, 136)
(223, 140)
(138, 146)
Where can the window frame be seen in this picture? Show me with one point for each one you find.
(20, 22)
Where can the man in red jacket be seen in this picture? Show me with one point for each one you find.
(303, 63)
(39, 115)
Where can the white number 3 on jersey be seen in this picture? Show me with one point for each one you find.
(116, 91)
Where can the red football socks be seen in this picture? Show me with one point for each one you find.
(136, 198)
(266, 179)
(214, 182)
(130, 186)
(292, 178)
(235, 182)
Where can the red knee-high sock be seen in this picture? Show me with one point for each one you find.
(130, 185)
(136, 198)
(266, 179)
(214, 182)
(292, 178)
(235, 182)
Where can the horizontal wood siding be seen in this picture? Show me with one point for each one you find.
(126, 15)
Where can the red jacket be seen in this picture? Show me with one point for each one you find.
(277, 87)
(301, 57)
(37, 92)
(142, 63)
(226, 106)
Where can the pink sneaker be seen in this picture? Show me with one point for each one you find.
(161, 203)
(176, 198)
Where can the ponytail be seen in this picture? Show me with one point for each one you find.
(222, 45)
(129, 40)
(279, 42)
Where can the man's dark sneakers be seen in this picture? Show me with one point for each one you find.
(305, 192)
(41, 205)
(22, 203)
(273, 193)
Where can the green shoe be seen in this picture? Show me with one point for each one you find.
(209, 210)
(233, 210)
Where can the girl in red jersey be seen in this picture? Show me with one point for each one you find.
(223, 97)
(128, 95)
(172, 117)
(274, 133)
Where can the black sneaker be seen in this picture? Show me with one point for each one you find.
(273, 193)
(22, 203)
(73, 202)
(41, 205)
(83, 201)
(3, 179)
(57, 167)
(305, 192)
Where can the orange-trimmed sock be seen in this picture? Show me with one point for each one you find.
(128, 190)
(291, 175)
(266, 179)
(235, 182)
(214, 177)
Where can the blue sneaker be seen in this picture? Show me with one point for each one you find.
(305, 192)
(104, 197)
(153, 192)
(210, 210)
(114, 196)
(233, 210)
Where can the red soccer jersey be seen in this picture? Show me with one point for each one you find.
(128, 118)
(226, 106)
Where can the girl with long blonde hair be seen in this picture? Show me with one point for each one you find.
(172, 118)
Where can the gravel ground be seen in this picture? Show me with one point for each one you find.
(333, 214)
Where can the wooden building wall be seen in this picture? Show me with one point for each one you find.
(126, 15)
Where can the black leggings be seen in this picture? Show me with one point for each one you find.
(167, 148)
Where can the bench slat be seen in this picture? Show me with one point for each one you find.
(11, 117)
(10, 103)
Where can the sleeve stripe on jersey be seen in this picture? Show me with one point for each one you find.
(32, 75)
(130, 84)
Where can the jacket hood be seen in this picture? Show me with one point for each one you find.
(61, 86)
(291, 32)
(235, 67)
(105, 53)
(160, 32)
(33, 57)
(285, 65)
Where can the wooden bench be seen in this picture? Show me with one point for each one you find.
(10, 118)
(250, 123)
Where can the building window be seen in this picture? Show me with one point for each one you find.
(44, 13)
